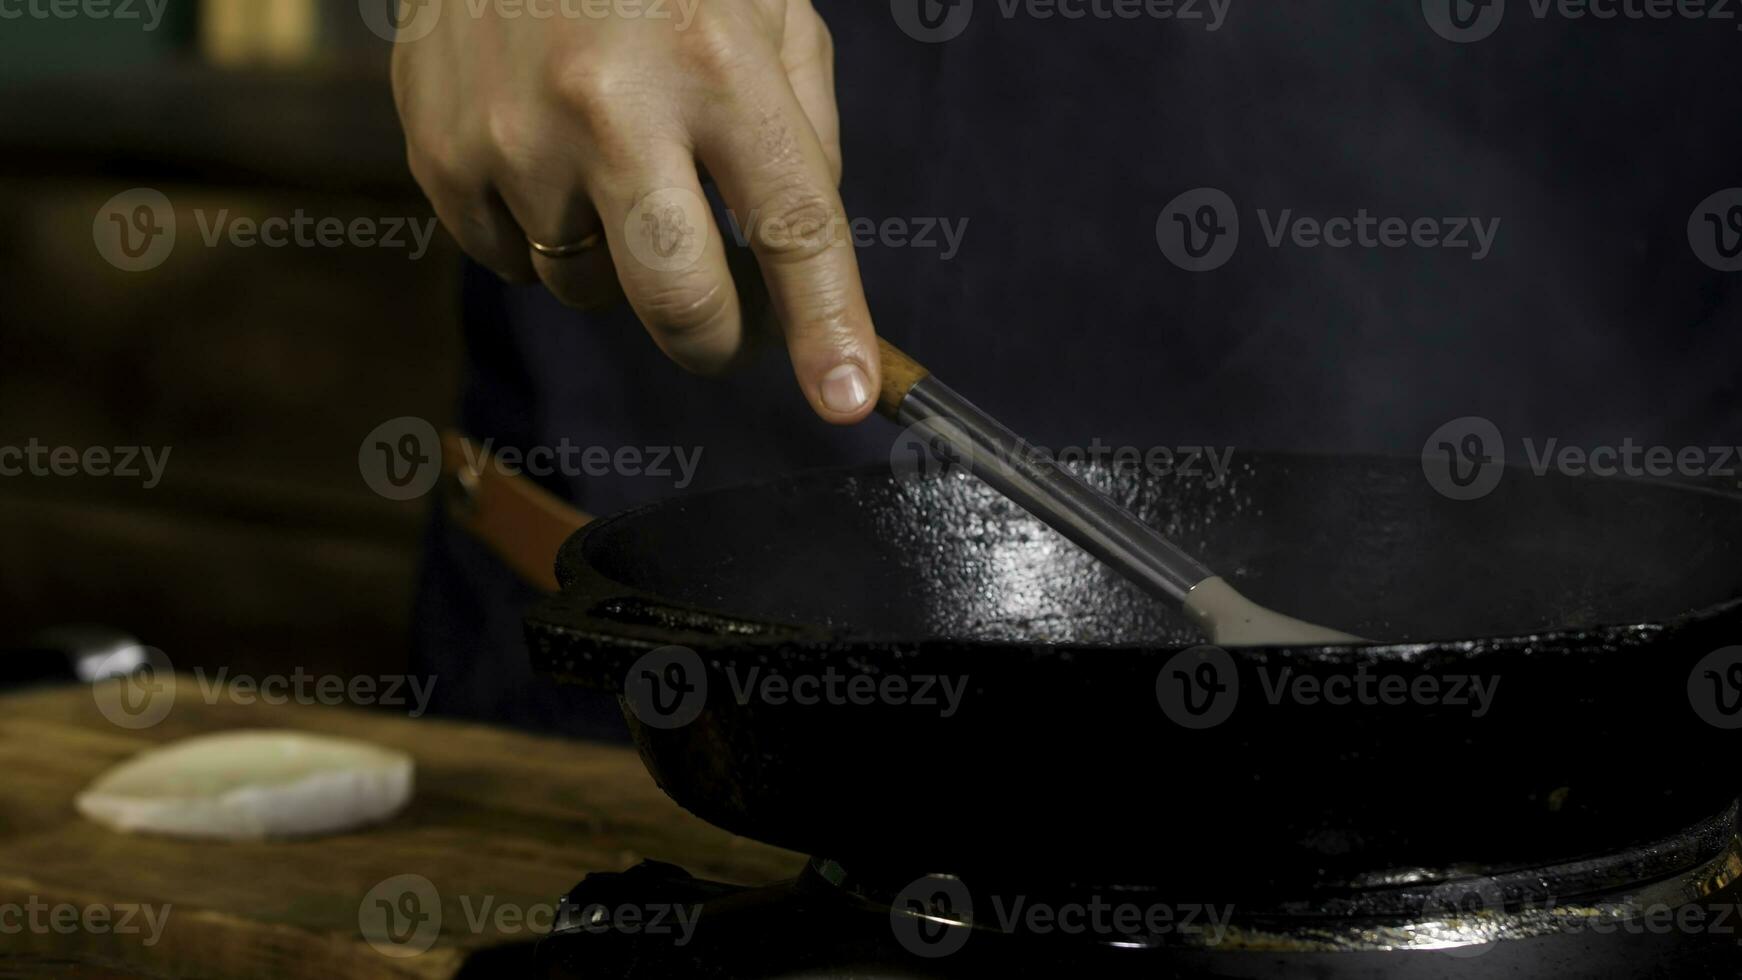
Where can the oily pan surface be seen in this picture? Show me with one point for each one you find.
(1365, 545)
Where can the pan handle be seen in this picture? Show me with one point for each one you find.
(524, 524)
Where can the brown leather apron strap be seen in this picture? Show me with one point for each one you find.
(518, 520)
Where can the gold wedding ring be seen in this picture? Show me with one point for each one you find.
(566, 251)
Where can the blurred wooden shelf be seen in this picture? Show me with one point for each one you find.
(331, 128)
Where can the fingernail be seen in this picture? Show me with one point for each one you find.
(846, 389)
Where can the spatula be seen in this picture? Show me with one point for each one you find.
(1034, 480)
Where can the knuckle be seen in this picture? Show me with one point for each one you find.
(826, 42)
(511, 133)
(799, 223)
(607, 105)
(422, 170)
(836, 166)
(829, 313)
(586, 90)
(399, 77)
(685, 306)
(715, 50)
(438, 169)
(488, 242)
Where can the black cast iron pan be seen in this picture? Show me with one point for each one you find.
(1588, 609)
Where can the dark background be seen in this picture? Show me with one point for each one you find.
(1593, 321)
(262, 368)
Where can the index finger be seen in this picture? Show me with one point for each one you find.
(777, 180)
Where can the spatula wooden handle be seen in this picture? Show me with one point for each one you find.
(900, 374)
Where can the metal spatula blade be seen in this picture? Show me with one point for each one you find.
(1035, 481)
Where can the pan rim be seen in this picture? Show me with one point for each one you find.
(760, 635)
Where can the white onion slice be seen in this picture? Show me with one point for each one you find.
(248, 785)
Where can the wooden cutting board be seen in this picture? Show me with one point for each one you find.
(501, 820)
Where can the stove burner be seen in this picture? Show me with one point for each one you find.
(1666, 908)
